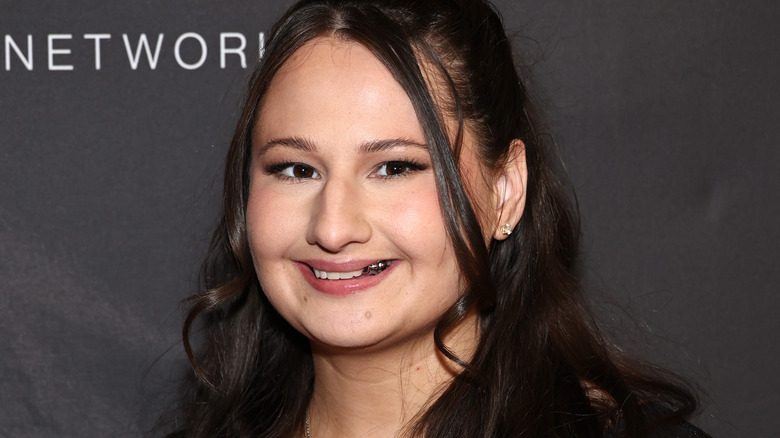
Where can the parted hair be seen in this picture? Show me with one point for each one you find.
(541, 367)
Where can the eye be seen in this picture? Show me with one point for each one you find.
(398, 168)
(293, 171)
(300, 171)
(392, 168)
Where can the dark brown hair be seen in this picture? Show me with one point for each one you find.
(541, 369)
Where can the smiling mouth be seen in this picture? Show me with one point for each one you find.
(372, 269)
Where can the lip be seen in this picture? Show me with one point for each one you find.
(342, 287)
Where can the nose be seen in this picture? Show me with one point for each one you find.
(338, 218)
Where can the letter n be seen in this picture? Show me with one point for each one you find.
(11, 44)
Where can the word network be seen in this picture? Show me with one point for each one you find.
(19, 51)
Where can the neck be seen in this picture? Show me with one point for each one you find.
(377, 392)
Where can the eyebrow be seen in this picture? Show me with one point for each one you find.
(383, 145)
(303, 144)
(290, 142)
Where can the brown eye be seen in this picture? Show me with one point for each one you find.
(396, 168)
(393, 168)
(301, 171)
(293, 171)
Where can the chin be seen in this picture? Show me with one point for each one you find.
(367, 338)
(346, 342)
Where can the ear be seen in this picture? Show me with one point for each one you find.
(509, 190)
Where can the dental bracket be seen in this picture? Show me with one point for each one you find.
(375, 268)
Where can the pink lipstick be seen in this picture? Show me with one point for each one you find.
(346, 277)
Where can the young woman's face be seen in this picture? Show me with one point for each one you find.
(343, 217)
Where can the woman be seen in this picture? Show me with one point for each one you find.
(396, 255)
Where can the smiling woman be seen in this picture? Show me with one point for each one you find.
(357, 189)
(396, 255)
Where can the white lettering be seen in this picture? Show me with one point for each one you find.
(233, 47)
(143, 43)
(203, 50)
(53, 51)
(223, 50)
(9, 44)
(97, 37)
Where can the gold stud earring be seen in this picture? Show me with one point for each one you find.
(506, 230)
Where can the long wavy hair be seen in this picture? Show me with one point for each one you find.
(541, 367)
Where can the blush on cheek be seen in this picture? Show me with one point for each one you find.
(272, 219)
(419, 217)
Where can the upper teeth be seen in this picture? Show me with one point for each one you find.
(337, 275)
(373, 268)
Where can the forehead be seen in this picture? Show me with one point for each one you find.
(331, 51)
(331, 87)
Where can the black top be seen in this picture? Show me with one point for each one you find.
(682, 429)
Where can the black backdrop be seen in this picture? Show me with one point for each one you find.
(666, 113)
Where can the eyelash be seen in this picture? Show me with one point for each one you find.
(411, 167)
(278, 169)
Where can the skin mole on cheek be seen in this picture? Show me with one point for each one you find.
(368, 315)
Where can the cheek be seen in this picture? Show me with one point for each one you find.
(271, 221)
(273, 225)
(415, 219)
(418, 230)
